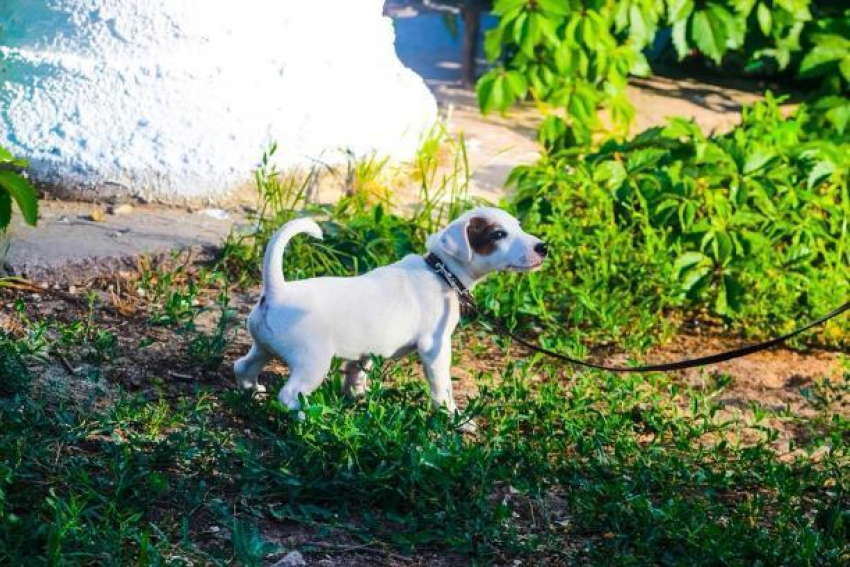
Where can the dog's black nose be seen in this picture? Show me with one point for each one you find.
(541, 249)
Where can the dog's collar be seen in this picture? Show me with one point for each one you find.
(463, 294)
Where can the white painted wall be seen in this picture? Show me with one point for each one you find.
(179, 98)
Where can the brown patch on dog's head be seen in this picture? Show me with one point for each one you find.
(480, 233)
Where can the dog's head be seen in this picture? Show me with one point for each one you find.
(486, 240)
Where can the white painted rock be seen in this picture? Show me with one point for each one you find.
(176, 98)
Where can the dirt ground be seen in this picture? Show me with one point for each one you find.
(778, 380)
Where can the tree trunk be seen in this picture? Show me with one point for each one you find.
(471, 28)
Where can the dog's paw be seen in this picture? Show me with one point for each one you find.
(469, 427)
(356, 391)
(253, 387)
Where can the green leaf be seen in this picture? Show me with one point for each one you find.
(23, 193)
(520, 28)
(641, 29)
(831, 41)
(640, 67)
(695, 278)
(709, 152)
(758, 159)
(556, 7)
(532, 34)
(822, 170)
(502, 7)
(484, 89)
(844, 67)
(710, 33)
(548, 31)
(765, 18)
(621, 16)
(493, 92)
(517, 83)
(645, 158)
(722, 246)
(7, 159)
(611, 174)
(678, 128)
(839, 116)
(680, 42)
(735, 25)
(493, 44)
(689, 259)
(679, 10)
(589, 33)
(5, 155)
(562, 57)
(500, 94)
(721, 305)
(798, 9)
(622, 111)
(820, 60)
(731, 295)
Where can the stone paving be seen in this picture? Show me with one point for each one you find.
(69, 247)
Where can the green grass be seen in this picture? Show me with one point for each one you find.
(613, 469)
(567, 468)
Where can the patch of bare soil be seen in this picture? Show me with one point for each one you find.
(771, 378)
(790, 386)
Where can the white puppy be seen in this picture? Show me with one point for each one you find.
(390, 311)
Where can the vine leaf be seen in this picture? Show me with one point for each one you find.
(710, 34)
(19, 188)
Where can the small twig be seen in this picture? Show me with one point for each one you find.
(25, 285)
(362, 548)
(180, 375)
(71, 370)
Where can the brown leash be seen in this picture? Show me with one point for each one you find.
(468, 303)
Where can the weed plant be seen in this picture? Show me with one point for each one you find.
(749, 228)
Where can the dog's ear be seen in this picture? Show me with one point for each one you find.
(454, 240)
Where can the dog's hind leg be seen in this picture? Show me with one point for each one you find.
(356, 377)
(305, 376)
(248, 368)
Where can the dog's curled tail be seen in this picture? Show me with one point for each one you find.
(273, 260)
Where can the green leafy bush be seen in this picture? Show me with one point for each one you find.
(575, 57)
(751, 225)
(14, 373)
(828, 53)
(15, 186)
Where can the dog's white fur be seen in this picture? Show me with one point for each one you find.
(390, 311)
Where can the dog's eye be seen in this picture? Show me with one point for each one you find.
(498, 235)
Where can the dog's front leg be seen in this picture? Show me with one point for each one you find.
(357, 377)
(437, 360)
